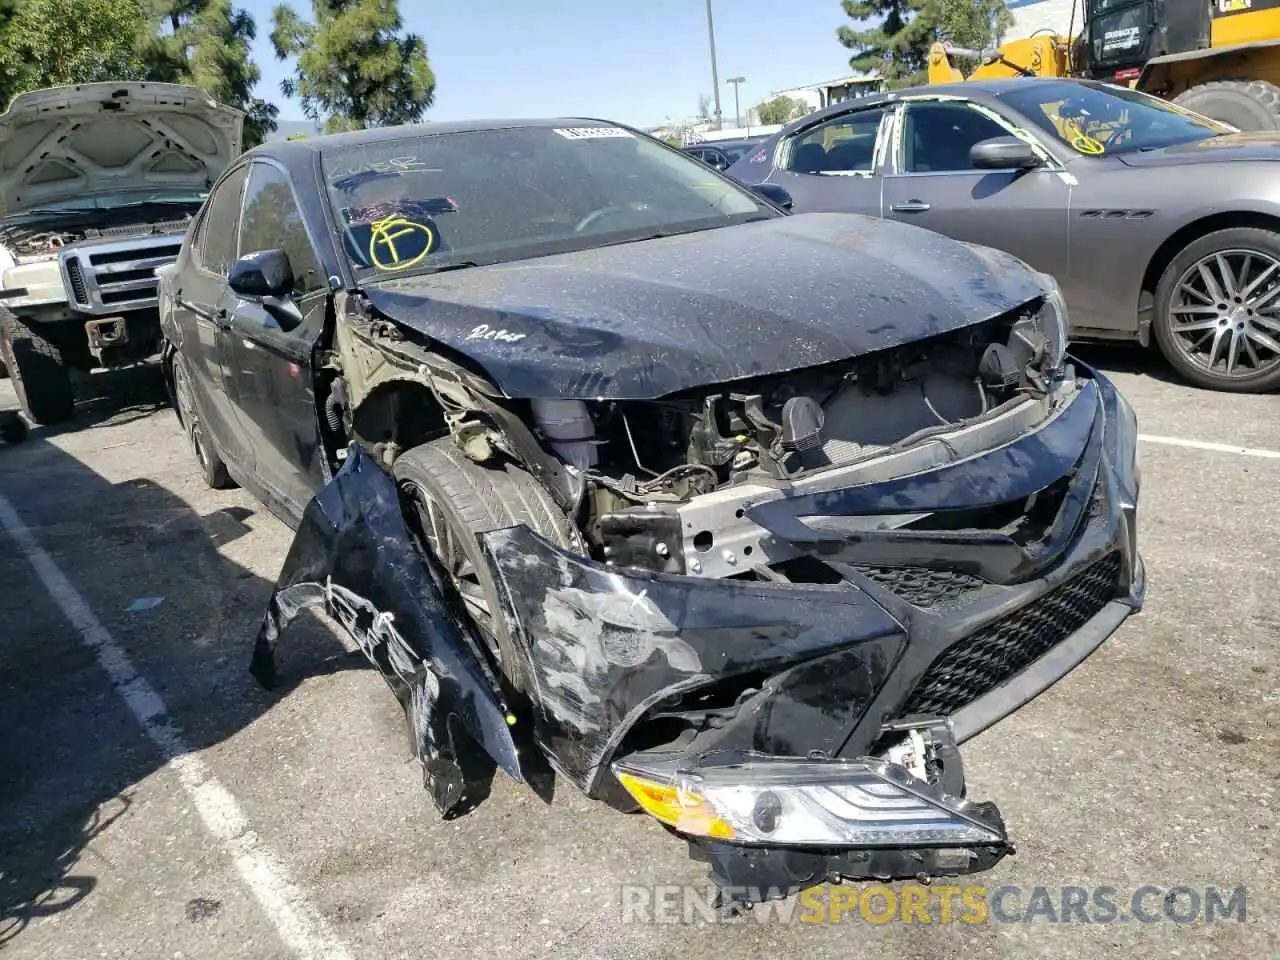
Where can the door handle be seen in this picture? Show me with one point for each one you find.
(910, 206)
(222, 319)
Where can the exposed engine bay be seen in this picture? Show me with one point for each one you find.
(666, 484)
(28, 242)
(666, 481)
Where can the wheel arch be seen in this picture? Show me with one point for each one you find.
(402, 409)
(1175, 73)
(1190, 232)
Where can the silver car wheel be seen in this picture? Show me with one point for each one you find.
(1224, 313)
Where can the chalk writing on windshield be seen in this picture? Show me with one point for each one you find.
(389, 237)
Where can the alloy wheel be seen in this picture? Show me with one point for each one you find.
(1224, 314)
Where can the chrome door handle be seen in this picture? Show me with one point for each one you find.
(910, 206)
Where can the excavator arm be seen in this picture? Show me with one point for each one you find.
(1043, 55)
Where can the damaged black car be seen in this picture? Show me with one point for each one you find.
(623, 476)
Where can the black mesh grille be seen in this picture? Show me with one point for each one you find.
(982, 661)
(76, 276)
(921, 586)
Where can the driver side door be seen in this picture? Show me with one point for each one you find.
(273, 342)
(934, 185)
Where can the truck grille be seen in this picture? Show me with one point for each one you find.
(119, 275)
(980, 662)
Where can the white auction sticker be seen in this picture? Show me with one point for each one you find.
(591, 133)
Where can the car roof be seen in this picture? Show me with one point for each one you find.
(972, 89)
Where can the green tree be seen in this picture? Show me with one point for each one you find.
(355, 66)
(46, 43)
(206, 43)
(781, 109)
(972, 24)
(897, 47)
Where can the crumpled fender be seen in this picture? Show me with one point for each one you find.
(354, 556)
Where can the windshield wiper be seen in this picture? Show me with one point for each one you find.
(456, 265)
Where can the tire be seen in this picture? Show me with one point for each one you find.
(205, 450)
(38, 371)
(470, 500)
(12, 429)
(1247, 104)
(1196, 325)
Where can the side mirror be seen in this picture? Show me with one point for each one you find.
(775, 194)
(1003, 153)
(264, 273)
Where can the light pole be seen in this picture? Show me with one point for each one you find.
(715, 75)
(737, 113)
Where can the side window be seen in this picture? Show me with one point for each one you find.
(272, 220)
(844, 144)
(214, 245)
(938, 136)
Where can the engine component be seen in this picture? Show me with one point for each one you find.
(802, 420)
(643, 538)
(569, 428)
(999, 368)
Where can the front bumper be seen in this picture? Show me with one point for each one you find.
(670, 677)
(638, 681)
(826, 669)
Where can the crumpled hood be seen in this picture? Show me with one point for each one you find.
(100, 138)
(1223, 149)
(645, 319)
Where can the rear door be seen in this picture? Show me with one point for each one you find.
(835, 165)
(199, 298)
(272, 344)
(932, 184)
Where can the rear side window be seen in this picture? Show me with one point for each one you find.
(844, 144)
(213, 248)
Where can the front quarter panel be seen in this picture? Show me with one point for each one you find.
(1121, 216)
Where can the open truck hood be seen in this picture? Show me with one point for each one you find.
(95, 139)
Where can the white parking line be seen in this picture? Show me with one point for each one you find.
(298, 923)
(1213, 447)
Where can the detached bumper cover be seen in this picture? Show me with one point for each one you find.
(826, 667)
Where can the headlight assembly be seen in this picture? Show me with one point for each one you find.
(1053, 323)
(803, 803)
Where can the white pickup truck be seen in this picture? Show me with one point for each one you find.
(98, 184)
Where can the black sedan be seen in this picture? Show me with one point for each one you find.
(618, 472)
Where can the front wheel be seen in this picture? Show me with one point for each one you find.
(450, 501)
(38, 370)
(1217, 317)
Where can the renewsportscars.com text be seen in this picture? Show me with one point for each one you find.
(914, 903)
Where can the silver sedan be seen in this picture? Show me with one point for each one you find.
(1162, 226)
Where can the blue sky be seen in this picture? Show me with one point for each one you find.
(636, 62)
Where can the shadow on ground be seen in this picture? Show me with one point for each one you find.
(71, 753)
(1129, 358)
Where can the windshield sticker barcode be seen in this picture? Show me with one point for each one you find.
(591, 133)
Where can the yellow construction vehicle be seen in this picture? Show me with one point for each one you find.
(1220, 58)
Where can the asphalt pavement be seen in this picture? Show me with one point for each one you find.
(156, 803)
